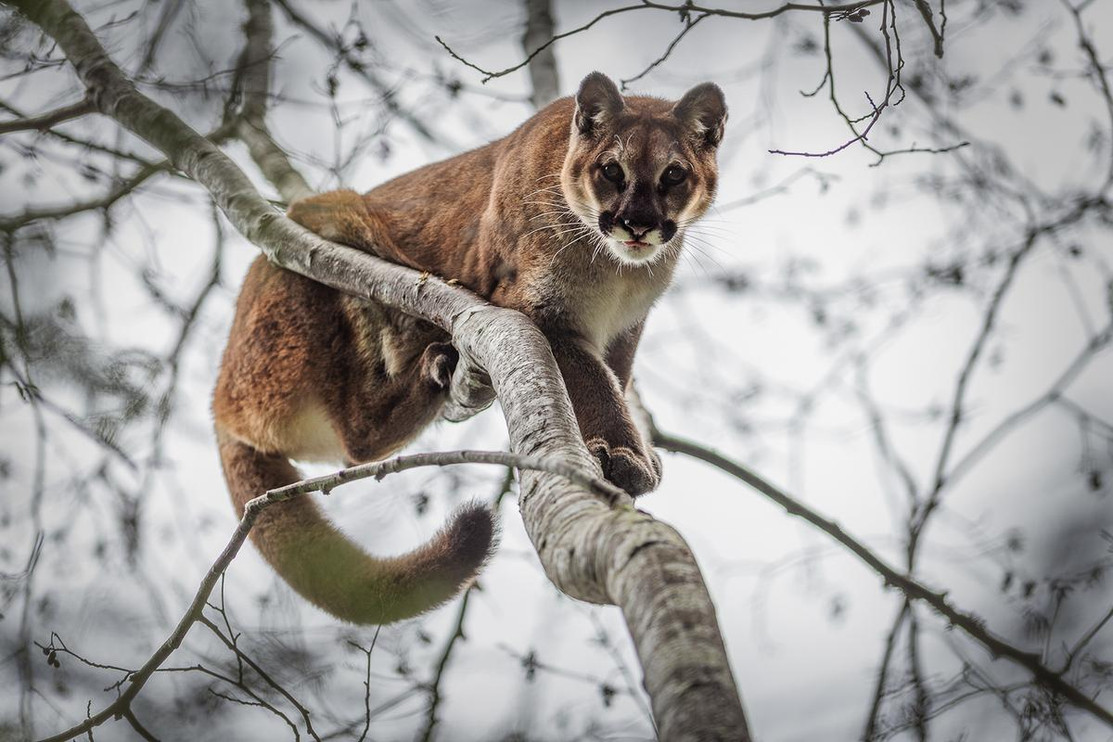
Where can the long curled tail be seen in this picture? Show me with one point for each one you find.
(326, 568)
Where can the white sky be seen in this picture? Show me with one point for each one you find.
(804, 673)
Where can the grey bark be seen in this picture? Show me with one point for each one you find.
(251, 127)
(543, 75)
(589, 549)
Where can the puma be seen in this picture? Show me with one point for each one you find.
(576, 219)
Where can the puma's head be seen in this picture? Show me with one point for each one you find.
(638, 169)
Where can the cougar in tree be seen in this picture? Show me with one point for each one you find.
(575, 219)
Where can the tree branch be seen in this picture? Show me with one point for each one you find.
(682, 10)
(974, 626)
(49, 119)
(434, 686)
(936, 33)
(333, 42)
(253, 508)
(251, 128)
(955, 417)
(589, 549)
(542, 66)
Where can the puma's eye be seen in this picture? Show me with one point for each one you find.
(674, 175)
(612, 171)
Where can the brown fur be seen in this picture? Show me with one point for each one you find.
(313, 374)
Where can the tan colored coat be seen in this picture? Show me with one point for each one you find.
(575, 219)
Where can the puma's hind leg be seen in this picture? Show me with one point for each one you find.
(386, 404)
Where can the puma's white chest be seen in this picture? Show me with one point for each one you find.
(605, 307)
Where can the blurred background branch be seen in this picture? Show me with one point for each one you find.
(916, 349)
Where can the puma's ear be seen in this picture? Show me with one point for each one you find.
(597, 102)
(703, 112)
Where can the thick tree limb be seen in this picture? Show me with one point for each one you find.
(471, 391)
(589, 549)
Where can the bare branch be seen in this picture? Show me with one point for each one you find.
(136, 680)
(380, 469)
(251, 128)
(229, 642)
(542, 66)
(589, 549)
(12, 222)
(989, 321)
(1097, 70)
(84, 144)
(1100, 341)
(689, 24)
(434, 686)
(49, 119)
(682, 10)
(332, 42)
(974, 626)
(936, 33)
(871, 731)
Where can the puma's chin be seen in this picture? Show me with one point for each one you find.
(632, 252)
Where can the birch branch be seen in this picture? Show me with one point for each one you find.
(544, 81)
(589, 549)
(470, 391)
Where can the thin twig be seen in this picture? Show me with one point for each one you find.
(989, 321)
(457, 635)
(936, 33)
(139, 678)
(1098, 70)
(50, 118)
(683, 10)
(335, 43)
(880, 688)
(380, 469)
(266, 677)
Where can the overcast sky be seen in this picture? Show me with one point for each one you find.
(803, 621)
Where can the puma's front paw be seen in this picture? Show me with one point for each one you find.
(437, 364)
(633, 471)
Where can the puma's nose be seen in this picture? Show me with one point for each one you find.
(637, 231)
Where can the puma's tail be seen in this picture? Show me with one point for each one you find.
(326, 568)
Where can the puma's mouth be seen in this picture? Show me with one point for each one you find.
(633, 252)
